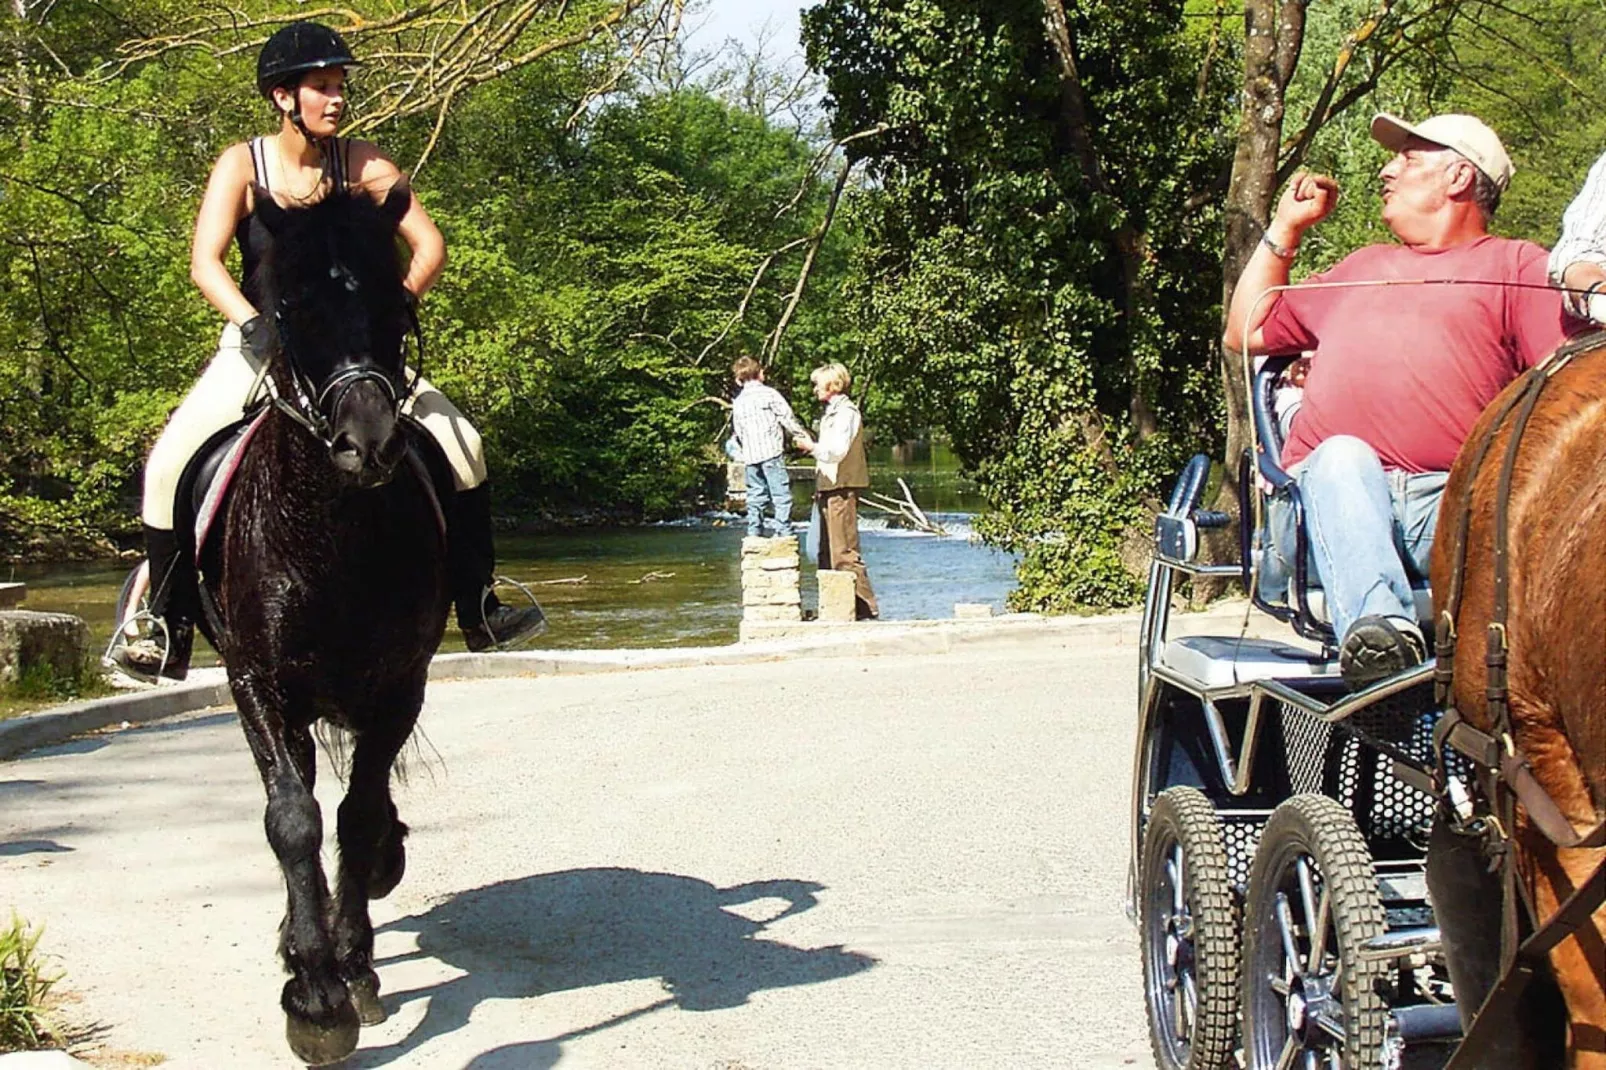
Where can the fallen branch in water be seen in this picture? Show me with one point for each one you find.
(649, 577)
(906, 512)
(549, 583)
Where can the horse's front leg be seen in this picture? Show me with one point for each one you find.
(372, 855)
(321, 1023)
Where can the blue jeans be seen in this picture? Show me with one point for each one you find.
(1369, 530)
(768, 485)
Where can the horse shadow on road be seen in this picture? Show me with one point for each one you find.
(577, 929)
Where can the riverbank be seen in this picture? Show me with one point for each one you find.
(674, 584)
(33, 547)
(207, 688)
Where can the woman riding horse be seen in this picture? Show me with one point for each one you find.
(301, 70)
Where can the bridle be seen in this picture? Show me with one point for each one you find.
(313, 406)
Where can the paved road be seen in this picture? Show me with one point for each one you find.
(852, 862)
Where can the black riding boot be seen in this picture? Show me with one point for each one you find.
(485, 621)
(162, 653)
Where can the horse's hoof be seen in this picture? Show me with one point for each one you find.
(318, 1045)
(365, 997)
(390, 861)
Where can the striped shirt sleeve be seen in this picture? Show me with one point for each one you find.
(1583, 229)
(788, 419)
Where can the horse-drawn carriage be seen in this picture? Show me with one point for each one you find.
(1281, 822)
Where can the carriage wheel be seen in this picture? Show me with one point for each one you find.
(1189, 924)
(1309, 1002)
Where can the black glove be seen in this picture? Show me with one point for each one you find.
(254, 333)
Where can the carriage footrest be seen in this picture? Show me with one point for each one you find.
(1397, 943)
(1215, 662)
(1427, 1021)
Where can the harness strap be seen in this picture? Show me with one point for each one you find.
(1514, 980)
(1499, 756)
(259, 163)
(1445, 640)
(1504, 775)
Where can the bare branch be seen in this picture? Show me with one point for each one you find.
(423, 57)
(772, 344)
(812, 240)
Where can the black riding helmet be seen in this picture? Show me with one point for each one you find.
(296, 49)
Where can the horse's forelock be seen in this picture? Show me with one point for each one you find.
(295, 276)
(363, 238)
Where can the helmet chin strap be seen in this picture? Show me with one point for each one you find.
(300, 124)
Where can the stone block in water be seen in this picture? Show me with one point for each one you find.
(57, 643)
(836, 595)
(770, 579)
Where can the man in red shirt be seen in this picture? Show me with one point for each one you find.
(1400, 372)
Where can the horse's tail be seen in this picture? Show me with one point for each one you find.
(336, 743)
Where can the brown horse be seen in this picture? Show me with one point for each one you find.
(1556, 629)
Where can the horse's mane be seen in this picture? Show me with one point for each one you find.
(350, 223)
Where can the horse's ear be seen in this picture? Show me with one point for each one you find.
(397, 201)
(267, 209)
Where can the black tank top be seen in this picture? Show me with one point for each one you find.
(250, 233)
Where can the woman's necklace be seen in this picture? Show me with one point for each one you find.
(284, 173)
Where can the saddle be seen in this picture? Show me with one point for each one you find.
(203, 493)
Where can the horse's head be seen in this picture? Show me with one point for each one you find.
(331, 283)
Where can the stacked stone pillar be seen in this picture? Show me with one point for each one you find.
(770, 580)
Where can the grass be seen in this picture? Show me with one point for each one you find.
(40, 687)
(23, 988)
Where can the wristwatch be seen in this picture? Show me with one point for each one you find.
(1281, 252)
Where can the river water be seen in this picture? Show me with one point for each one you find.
(671, 584)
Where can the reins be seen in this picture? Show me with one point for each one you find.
(311, 406)
(1504, 774)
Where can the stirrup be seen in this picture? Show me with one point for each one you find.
(115, 657)
(531, 621)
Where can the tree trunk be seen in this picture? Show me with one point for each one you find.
(1271, 52)
(19, 46)
(1273, 36)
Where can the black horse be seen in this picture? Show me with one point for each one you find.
(326, 590)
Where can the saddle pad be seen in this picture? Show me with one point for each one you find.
(218, 491)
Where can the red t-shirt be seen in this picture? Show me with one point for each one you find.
(1408, 369)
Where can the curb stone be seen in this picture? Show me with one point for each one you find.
(208, 688)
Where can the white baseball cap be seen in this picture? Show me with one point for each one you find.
(1466, 134)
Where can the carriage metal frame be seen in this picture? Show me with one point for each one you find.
(1279, 822)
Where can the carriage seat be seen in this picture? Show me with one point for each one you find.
(1274, 594)
(1316, 599)
(1217, 662)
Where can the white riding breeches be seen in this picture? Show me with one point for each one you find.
(222, 395)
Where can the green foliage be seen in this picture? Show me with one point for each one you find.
(587, 280)
(24, 984)
(992, 288)
(589, 266)
(1531, 70)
